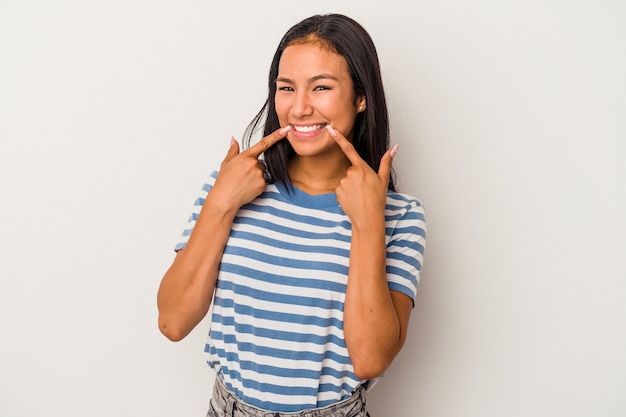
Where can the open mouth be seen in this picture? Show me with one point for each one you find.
(309, 128)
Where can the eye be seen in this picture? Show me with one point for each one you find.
(321, 88)
(284, 88)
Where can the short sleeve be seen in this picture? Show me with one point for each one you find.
(406, 242)
(197, 207)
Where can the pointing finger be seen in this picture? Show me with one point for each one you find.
(345, 145)
(265, 143)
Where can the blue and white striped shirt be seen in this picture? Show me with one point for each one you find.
(276, 335)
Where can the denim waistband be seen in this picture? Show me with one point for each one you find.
(224, 403)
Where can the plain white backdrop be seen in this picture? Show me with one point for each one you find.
(510, 119)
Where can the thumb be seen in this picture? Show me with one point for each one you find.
(233, 150)
(385, 164)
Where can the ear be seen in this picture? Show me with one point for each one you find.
(361, 104)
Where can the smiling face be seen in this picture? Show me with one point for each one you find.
(313, 89)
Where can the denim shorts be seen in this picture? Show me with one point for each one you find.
(226, 404)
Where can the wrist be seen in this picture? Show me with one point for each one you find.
(369, 228)
(220, 207)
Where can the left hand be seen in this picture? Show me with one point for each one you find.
(362, 193)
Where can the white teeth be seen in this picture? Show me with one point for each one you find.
(307, 129)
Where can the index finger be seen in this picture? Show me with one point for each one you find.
(265, 143)
(345, 145)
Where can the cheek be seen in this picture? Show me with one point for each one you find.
(281, 106)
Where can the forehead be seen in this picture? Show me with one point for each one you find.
(311, 59)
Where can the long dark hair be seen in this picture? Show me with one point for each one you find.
(349, 39)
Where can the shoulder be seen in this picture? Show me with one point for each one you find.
(404, 204)
(405, 217)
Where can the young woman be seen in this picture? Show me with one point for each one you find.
(310, 257)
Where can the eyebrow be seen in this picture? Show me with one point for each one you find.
(311, 80)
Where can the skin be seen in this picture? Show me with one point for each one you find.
(314, 92)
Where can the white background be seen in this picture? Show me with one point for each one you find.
(510, 119)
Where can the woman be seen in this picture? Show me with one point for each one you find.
(310, 257)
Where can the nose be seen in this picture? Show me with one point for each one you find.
(301, 105)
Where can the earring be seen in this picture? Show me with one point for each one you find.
(361, 108)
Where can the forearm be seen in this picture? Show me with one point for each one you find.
(187, 288)
(372, 327)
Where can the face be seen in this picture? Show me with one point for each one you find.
(314, 89)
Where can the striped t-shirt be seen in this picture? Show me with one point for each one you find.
(276, 336)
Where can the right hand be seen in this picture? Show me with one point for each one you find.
(241, 179)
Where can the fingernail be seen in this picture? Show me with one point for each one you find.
(233, 142)
(394, 151)
(285, 129)
(331, 130)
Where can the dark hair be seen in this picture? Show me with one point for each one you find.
(349, 39)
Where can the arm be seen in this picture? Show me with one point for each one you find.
(186, 290)
(375, 318)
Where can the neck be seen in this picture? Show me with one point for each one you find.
(316, 176)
